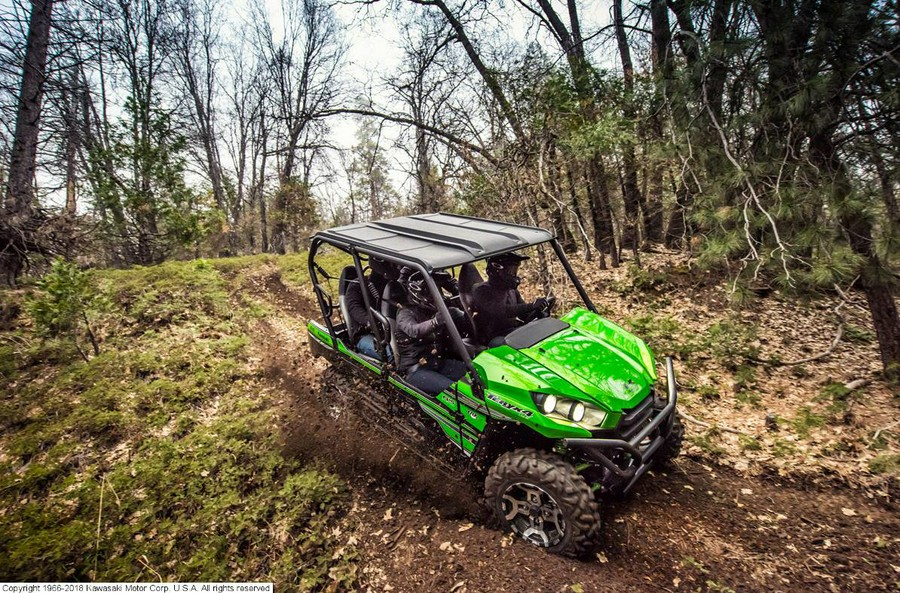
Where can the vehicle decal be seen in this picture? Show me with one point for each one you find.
(420, 399)
(474, 404)
(508, 406)
(451, 432)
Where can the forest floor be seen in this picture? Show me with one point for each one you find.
(766, 510)
(205, 442)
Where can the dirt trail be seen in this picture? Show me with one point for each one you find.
(698, 527)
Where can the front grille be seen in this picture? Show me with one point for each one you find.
(636, 418)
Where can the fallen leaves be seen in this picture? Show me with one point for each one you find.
(451, 547)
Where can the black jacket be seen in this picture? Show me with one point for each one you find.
(498, 310)
(422, 341)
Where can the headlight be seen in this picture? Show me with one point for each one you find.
(585, 414)
(546, 402)
(572, 410)
(576, 412)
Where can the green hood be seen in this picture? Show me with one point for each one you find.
(599, 358)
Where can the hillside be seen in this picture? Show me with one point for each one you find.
(204, 443)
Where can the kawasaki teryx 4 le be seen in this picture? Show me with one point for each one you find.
(565, 410)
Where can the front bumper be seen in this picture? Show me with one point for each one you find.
(628, 460)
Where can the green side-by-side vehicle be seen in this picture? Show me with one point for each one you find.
(565, 411)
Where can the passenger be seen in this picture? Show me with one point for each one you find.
(445, 281)
(360, 328)
(426, 351)
(498, 305)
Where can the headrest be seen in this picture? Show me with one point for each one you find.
(507, 258)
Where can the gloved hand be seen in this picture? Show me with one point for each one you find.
(436, 321)
(446, 281)
(540, 303)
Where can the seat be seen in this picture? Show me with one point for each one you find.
(393, 296)
(469, 279)
(348, 276)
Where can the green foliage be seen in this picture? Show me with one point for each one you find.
(8, 367)
(708, 442)
(707, 392)
(718, 248)
(138, 183)
(730, 341)
(604, 134)
(783, 448)
(370, 183)
(61, 305)
(65, 294)
(805, 421)
(840, 265)
(837, 396)
(858, 335)
(295, 267)
(296, 210)
(641, 279)
(748, 397)
(169, 293)
(886, 463)
(749, 443)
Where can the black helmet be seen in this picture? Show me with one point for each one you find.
(383, 268)
(417, 291)
(500, 268)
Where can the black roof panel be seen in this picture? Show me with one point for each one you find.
(436, 240)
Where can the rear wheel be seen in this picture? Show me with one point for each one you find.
(541, 498)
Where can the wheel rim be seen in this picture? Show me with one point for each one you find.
(533, 514)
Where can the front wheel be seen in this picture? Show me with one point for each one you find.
(671, 447)
(541, 498)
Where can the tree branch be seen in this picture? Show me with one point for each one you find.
(402, 119)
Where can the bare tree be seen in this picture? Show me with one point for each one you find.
(195, 45)
(426, 91)
(19, 220)
(246, 138)
(303, 62)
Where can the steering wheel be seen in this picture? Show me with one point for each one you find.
(551, 301)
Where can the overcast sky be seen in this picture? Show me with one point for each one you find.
(372, 34)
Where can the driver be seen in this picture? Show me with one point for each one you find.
(498, 305)
(425, 347)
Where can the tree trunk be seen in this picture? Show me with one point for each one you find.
(260, 186)
(876, 277)
(71, 120)
(18, 222)
(579, 218)
(679, 229)
(661, 55)
(557, 209)
(601, 212)
(631, 193)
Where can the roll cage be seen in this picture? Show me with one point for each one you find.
(426, 243)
